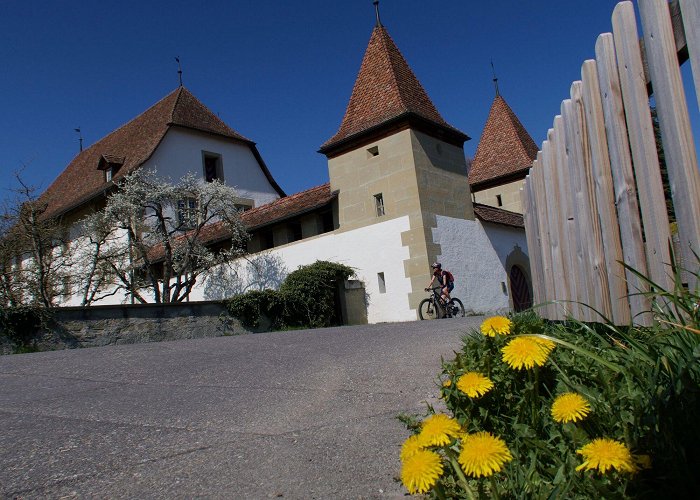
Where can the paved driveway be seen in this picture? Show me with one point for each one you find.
(301, 414)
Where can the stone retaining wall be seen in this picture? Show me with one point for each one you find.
(129, 324)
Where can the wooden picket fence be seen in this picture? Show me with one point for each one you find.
(594, 196)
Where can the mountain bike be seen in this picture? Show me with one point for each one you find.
(434, 307)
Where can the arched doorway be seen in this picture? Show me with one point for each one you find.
(519, 289)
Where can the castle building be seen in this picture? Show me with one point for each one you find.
(398, 196)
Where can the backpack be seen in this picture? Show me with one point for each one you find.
(448, 277)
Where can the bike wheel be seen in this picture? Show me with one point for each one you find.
(456, 308)
(427, 310)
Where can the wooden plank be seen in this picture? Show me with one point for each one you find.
(674, 122)
(543, 229)
(549, 174)
(599, 293)
(581, 223)
(642, 144)
(604, 198)
(679, 37)
(567, 228)
(601, 288)
(629, 219)
(542, 296)
(690, 15)
(533, 250)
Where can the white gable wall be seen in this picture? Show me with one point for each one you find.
(180, 152)
(476, 254)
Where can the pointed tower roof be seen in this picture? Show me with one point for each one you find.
(387, 93)
(131, 145)
(505, 148)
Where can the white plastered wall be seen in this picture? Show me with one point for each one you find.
(476, 252)
(180, 153)
(369, 250)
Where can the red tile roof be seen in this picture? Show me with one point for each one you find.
(495, 215)
(505, 147)
(133, 144)
(289, 206)
(385, 89)
(270, 213)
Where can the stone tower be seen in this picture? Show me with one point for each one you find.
(395, 156)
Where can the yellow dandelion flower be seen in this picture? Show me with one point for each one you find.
(604, 454)
(474, 384)
(438, 430)
(570, 407)
(411, 446)
(483, 454)
(447, 383)
(496, 325)
(420, 471)
(526, 352)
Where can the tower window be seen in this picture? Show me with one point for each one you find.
(373, 151)
(213, 169)
(499, 201)
(379, 204)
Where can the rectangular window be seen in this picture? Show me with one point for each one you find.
(499, 201)
(187, 216)
(381, 282)
(213, 169)
(109, 172)
(379, 204)
(327, 221)
(267, 240)
(373, 151)
(295, 231)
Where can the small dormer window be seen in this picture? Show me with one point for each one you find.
(213, 168)
(110, 164)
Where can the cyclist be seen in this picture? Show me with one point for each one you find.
(446, 280)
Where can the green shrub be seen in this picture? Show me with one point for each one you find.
(310, 294)
(640, 389)
(251, 306)
(306, 299)
(22, 324)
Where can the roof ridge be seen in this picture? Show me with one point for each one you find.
(124, 124)
(392, 64)
(177, 100)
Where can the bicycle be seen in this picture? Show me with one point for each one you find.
(434, 307)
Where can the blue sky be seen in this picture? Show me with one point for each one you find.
(278, 72)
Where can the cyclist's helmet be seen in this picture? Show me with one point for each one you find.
(436, 265)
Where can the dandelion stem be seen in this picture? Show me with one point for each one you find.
(462, 479)
(494, 489)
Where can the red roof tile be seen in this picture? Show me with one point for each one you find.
(289, 206)
(495, 215)
(505, 146)
(270, 213)
(385, 89)
(133, 144)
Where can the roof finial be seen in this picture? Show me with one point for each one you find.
(179, 70)
(80, 138)
(495, 79)
(376, 10)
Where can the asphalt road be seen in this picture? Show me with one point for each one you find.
(300, 414)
